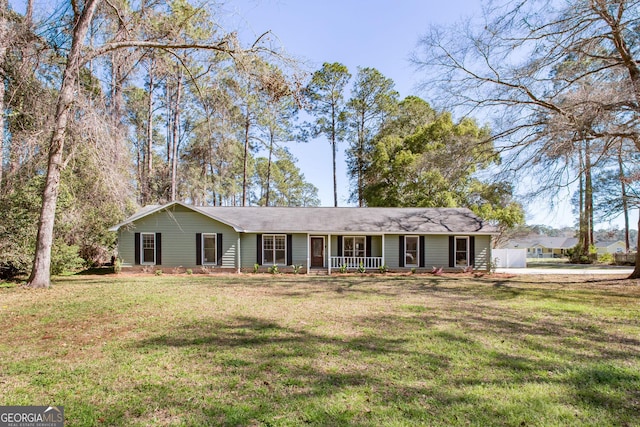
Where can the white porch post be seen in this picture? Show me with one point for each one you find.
(329, 254)
(383, 262)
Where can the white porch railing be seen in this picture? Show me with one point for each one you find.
(353, 262)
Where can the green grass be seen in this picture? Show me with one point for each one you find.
(262, 350)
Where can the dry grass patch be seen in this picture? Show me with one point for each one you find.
(348, 350)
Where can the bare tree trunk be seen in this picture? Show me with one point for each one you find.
(42, 262)
(169, 125)
(588, 193)
(140, 170)
(625, 201)
(176, 138)
(581, 215)
(335, 179)
(118, 63)
(333, 151)
(247, 125)
(360, 157)
(212, 173)
(2, 135)
(148, 153)
(4, 45)
(271, 137)
(609, 15)
(28, 16)
(586, 200)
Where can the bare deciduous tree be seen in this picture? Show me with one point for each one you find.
(512, 66)
(77, 56)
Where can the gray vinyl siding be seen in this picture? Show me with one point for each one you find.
(126, 246)
(436, 252)
(391, 250)
(248, 250)
(482, 252)
(178, 227)
(299, 249)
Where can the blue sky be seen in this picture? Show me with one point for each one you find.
(366, 33)
(378, 33)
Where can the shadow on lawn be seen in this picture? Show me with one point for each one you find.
(251, 332)
(255, 371)
(465, 286)
(271, 370)
(377, 286)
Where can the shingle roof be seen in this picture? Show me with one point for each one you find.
(607, 243)
(357, 220)
(556, 242)
(340, 220)
(545, 242)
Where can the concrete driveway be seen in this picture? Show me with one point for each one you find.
(569, 269)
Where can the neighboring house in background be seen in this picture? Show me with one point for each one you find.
(237, 238)
(611, 247)
(544, 247)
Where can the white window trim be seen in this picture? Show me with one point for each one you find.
(215, 236)
(417, 263)
(273, 236)
(455, 260)
(354, 246)
(142, 262)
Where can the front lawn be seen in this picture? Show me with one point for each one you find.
(262, 350)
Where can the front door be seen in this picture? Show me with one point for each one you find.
(317, 252)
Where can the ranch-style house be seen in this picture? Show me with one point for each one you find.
(177, 235)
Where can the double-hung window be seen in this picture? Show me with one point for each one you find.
(209, 256)
(274, 249)
(354, 246)
(148, 248)
(462, 251)
(411, 251)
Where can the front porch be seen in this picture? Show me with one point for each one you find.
(340, 252)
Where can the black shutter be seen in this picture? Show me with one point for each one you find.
(401, 251)
(452, 251)
(259, 249)
(198, 248)
(158, 248)
(289, 249)
(219, 251)
(472, 250)
(368, 247)
(421, 248)
(340, 253)
(136, 248)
